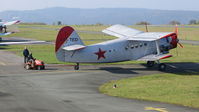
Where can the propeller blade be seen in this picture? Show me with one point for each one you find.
(181, 45)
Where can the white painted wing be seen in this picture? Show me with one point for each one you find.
(154, 57)
(3, 34)
(11, 23)
(73, 47)
(121, 31)
(26, 42)
(150, 36)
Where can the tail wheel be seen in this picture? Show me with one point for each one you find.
(150, 63)
(162, 67)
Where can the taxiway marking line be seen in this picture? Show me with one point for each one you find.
(1, 63)
(59, 72)
(156, 109)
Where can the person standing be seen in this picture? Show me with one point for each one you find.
(25, 54)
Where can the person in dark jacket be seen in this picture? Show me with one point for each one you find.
(25, 54)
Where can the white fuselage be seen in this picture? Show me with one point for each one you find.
(111, 51)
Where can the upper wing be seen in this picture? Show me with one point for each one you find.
(11, 23)
(3, 34)
(133, 34)
(153, 57)
(121, 31)
(150, 36)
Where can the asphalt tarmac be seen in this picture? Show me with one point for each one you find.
(59, 88)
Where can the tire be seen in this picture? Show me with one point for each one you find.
(27, 67)
(39, 68)
(43, 67)
(76, 67)
(162, 67)
(150, 63)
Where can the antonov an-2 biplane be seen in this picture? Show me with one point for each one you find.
(4, 26)
(131, 44)
(7, 28)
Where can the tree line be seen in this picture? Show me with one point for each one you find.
(174, 22)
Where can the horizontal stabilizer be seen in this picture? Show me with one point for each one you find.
(154, 57)
(73, 47)
(121, 31)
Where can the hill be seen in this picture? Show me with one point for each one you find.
(126, 16)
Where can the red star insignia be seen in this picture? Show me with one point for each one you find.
(100, 54)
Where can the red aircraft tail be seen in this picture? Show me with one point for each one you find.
(67, 36)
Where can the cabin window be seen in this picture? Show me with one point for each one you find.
(169, 39)
(140, 44)
(132, 46)
(136, 45)
(145, 44)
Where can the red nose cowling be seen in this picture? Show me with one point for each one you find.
(174, 40)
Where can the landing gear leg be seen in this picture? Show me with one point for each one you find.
(161, 66)
(76, 67)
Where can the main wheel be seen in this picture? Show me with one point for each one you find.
(76, 67)
(150, 63)
(162, 66)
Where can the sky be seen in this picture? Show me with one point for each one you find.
(148, 4)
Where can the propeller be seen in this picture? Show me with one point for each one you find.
(177, 32)
(181, 45)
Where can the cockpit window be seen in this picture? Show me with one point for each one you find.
(169, 39)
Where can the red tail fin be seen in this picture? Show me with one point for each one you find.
(67, 36)
(62, 36)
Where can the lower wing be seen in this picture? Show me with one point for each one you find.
(153, 57)
(26, 42)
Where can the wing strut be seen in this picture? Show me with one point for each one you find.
(157, 46)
